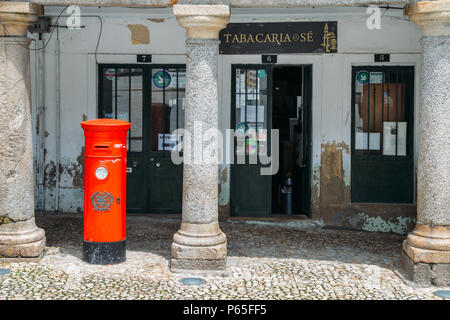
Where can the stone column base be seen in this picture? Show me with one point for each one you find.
(199, 247)
(186, 265)
(426, 256)
(426, 274)
(22, 239)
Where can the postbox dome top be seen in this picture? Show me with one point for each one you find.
(105, 124)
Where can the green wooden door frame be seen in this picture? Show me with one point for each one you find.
(305, 204)
(259, 187)
(166, 187)
(375, 177)
(243, 201)
(139, 184)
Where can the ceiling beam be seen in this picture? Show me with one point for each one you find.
(231, 3)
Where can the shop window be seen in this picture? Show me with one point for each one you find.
(167, 107)
(380, 110)
(251, 115)
(121, 92)
(123, 95)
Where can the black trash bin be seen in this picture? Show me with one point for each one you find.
(286, 195)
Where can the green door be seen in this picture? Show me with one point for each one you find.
(251, 104)
(383, 134)
(151, 97)
(167, 89)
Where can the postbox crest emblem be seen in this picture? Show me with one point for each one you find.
(102, 201)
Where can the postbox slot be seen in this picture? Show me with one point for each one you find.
(101, 147)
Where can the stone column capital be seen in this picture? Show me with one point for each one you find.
(433, 17)
(16, 17)
(202, 21)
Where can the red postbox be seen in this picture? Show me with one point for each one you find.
(105, 164)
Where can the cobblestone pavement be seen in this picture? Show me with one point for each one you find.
(265, 261)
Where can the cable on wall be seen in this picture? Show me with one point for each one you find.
(56, 27)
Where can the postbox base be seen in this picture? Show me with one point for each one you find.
(104, 252)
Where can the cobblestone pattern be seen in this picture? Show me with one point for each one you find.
(264, 262)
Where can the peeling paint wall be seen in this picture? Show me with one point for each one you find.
(332, 184)
(331, 190)
(139, 34)
(334, 200)
(125, 33)
(398, 225)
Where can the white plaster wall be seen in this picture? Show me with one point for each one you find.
(331, 73)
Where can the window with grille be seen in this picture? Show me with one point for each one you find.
(122, 98)
(382, 134)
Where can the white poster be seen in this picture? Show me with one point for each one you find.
(251, 114)
(376, 77)
(394, 135)
(361, 140)
(181, 79)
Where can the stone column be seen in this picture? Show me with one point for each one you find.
(426, 251)
(200, 244)
(19, 236)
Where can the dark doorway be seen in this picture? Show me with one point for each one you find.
(273, 97)
(290, 186)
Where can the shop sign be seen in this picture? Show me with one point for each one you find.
(382, 57)
(262, 73)
(362, 77)
(242, 127)
(162, 79)
(279, 37)
(146, 58)
(251, 146)
(110, 73)
(271, 58)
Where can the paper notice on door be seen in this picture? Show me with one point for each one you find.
(167, 142)
(253, 113)
(361, 142)
(394, 135)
